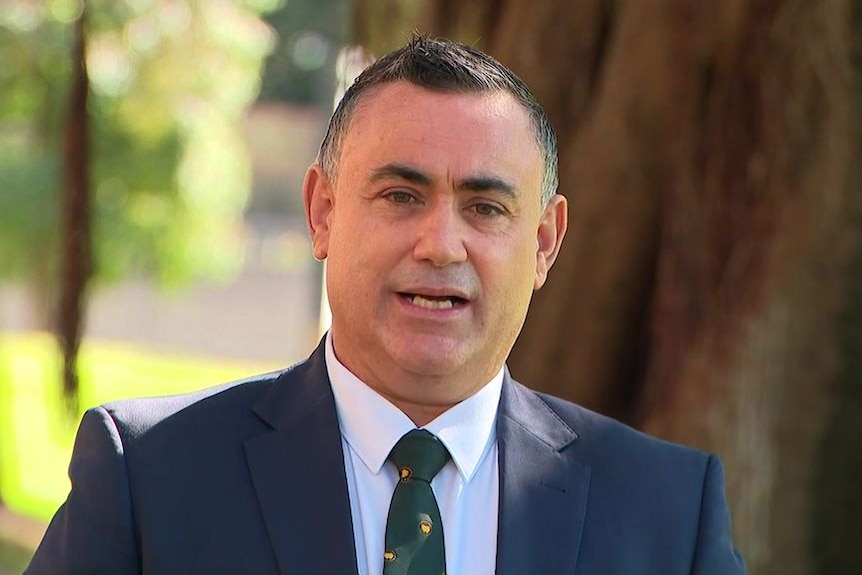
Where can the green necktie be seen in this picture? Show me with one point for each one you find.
(414, 530)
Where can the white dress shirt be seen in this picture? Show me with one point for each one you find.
(467, 488)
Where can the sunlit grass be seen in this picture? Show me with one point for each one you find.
(36, 434)
(13, 557)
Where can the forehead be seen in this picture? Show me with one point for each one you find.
(455, 132)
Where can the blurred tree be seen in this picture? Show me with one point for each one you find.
(310, 34)
(166, 84)
(75, 264)
(704, 292)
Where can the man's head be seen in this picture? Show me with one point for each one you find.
(442, 66)
(432, 220)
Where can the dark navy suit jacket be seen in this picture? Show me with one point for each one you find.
(249, 478)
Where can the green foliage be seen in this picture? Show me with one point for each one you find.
(32, 83)
(36, 436)
(13, 557)
(170, 176)
(311, 33)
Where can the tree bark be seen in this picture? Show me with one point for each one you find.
(704, 292)
(75, 263)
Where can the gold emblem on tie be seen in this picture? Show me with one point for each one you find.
(425, 527)
(406, 473)
(389, 555)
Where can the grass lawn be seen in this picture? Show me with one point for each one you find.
(13, 558)
(36, 435)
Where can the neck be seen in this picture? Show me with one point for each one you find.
(419, 414)
(421, 397)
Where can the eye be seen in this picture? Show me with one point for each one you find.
(486, 210)
(401, 197)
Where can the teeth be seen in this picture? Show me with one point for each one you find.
(420, 301)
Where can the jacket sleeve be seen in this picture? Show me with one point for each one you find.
(715, 553)
(93, 531)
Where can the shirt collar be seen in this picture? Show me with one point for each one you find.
(372, 425)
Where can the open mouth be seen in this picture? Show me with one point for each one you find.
(434, 302)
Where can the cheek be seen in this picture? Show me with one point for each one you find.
(345, 256)
(348, 243)
(509, 277)
(360, 260)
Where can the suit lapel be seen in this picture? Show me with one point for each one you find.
(543, 488)
(298, 473)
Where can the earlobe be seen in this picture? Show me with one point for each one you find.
(318, 200)
(549, 237)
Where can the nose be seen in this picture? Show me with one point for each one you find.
(440, 236)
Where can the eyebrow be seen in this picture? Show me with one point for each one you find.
(487, 184)
(478, 183)
(400, 171)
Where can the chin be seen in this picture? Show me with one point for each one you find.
(430, 358)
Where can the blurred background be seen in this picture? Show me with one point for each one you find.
(152, 238)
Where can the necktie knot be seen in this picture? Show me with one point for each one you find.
(419, 454)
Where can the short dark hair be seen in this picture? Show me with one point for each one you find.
(444, 66)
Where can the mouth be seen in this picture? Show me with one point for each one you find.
(434, 302)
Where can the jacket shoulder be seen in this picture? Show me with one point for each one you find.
(135, 417)
(604, 440)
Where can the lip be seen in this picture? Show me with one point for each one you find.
(411, 309)
(436, 291)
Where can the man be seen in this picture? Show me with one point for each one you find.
(434, 203)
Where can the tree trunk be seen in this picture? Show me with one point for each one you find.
(703, 291)
(75, 252)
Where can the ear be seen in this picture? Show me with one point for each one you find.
(319, 201)
(549, 237)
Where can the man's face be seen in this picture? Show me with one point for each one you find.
(434, 237)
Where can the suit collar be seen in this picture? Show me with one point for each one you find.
(300, 483)
(543, 488)
(372, 425)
